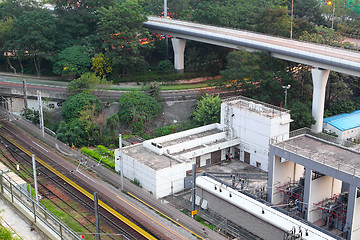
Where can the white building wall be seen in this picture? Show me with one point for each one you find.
(258, 209)
(321, 189)
(145, 175)
(193, 143)
(343, 135)
(205, 158)
(283, 174)
(170, 180)
(255, 131)
(356, 222)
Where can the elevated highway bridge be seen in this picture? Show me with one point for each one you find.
(322, 58)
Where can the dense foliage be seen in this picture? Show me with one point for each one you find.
(99, 40)
(137, 108)
(75, 105)
(207, 110)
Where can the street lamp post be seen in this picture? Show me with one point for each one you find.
(292, 18)
(166, 36)
(333, 13)
(286, 89)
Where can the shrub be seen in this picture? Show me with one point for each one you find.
(165, 66)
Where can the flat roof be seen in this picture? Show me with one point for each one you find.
(344, 121)
(190, 137)
(253, 105)
(323, 152)
(149, 158)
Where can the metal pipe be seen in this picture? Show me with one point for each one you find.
(97, 220)
(121, 163)
(35, 180)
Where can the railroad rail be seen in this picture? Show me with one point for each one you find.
(139, 232)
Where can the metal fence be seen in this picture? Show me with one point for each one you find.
(36, 212)
(323, 136)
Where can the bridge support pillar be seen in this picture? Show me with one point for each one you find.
(320, 78)
(179, 49)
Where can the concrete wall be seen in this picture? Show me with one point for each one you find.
(170, 180)
(255, 129)
(193, 143)
(356, 221)
(344, 135)
(133, 169)
(264, 220)
(283, 174)
(16, 105)
(204, 158)
(321, 189)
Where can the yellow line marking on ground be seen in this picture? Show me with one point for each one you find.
(165, 215)
(83, 191)
(151, 218)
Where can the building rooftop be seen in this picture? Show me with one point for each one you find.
(262, 108)
(344, 121)
(190, 137)
(327, 153)
(149, 158)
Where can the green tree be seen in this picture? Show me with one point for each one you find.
(6, 27)
(324, 35)
(101, 65)
(137, 108)
(120, 30)
(309, 10)
(74, 105)
(73, 60)
(33, 35)
(207, 110)
(274, 22)
(86, 83)
(152, 89)
(241, 72)
(76, 22)
(301, 114)
(165, 66)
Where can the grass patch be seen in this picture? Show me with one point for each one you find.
(167, 87)
(199, 219)
(67, 218)
(7, 234)
(164, 87)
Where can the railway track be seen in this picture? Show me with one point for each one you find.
(53, 176)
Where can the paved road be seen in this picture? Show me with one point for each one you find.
(8, 80)
(322, 56)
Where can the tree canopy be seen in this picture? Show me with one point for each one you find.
(137, 107)
(74, 105)
(207, 110)
(121, 32)
(73, 60)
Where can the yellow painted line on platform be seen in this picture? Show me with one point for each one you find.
(83, 191)
(164, 215)
(151, 218)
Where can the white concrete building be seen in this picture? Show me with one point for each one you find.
(254, 123)
(346, 126)
(161, 164)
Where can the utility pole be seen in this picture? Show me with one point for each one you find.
(41, 117)
(25, 98)
(292, 18)
(166, 36)
(121, 163)
(97, 221)
(193, 212)
(35, 180)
